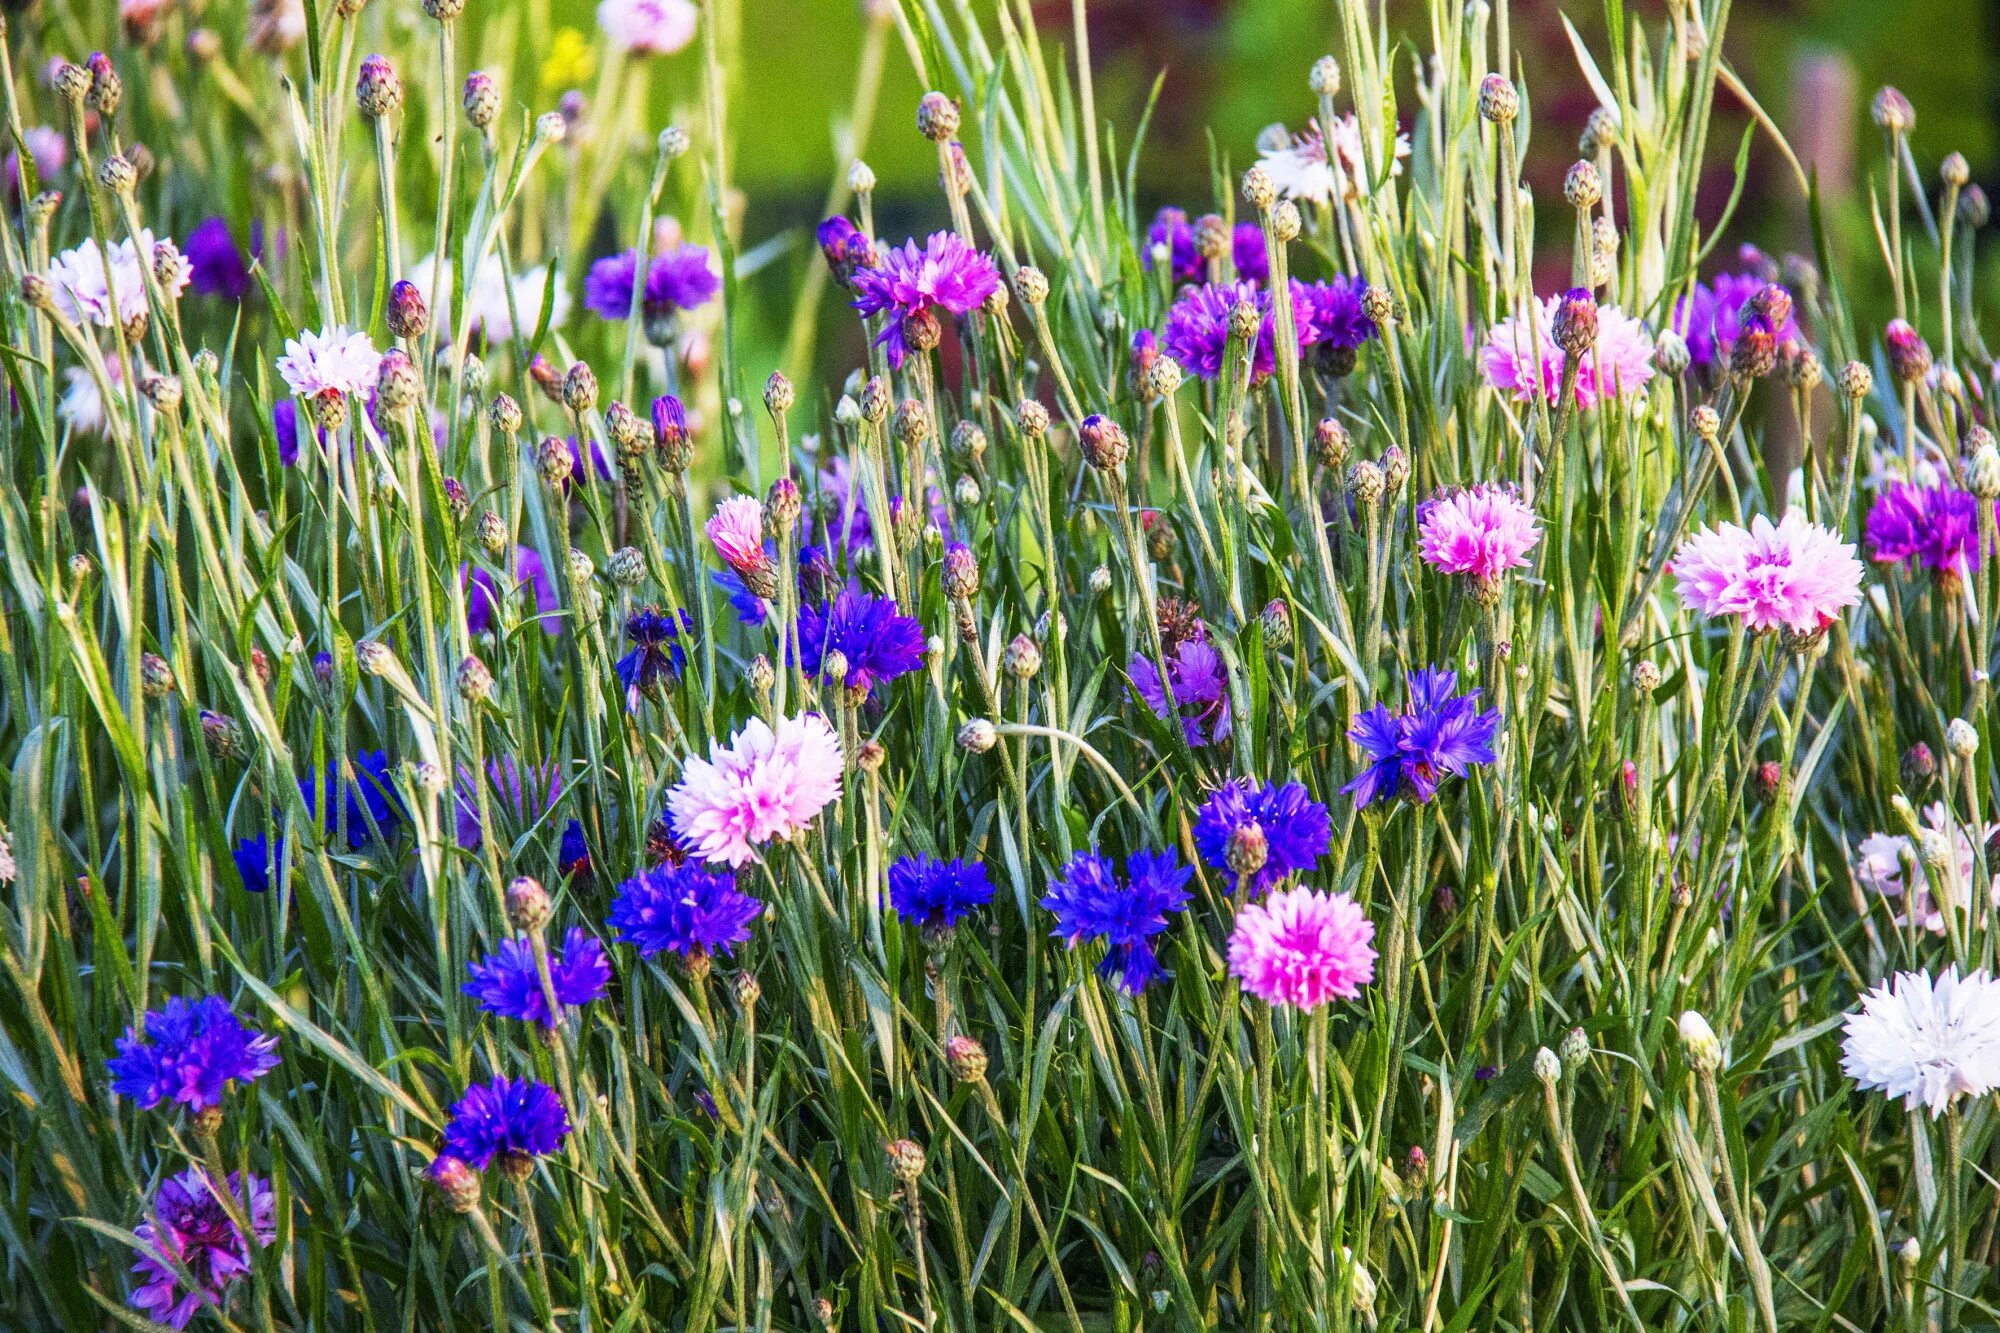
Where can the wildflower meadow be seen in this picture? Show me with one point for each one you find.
(1378, 746)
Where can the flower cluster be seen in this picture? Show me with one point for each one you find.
(515, 1120)
(1482, 532)
(1521, 357)
(1278, 826)
(677, 279)
(1926, 1041)
(1302, 169)
(88, 291)
(947, 274)
(1713, 315)
(656, 659)
(876, 641)
(1302, 948)
(1935, 526)
(507, 982)
(938, 894)
(687, 909)
(188, 1230)
(1200, 685)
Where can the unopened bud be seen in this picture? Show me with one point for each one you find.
(977, 736)
(1704, 1052)
(528, 906)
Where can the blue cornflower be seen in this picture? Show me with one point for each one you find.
(815, 571)
(189, 1052)
(656, 659)
(1296, 828)
(369, 796)
(505, 982)
(257, 860)
(878, 641)
(938, 894)
(687, 909)
(1089, 903)
(573, 855)
(512, 1119)
(1439, 732)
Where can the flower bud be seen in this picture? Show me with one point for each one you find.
(1286, 224)
(1259, 190)
(1984, 478)
(1031, 285)
(1103, 441)
(1704, 1052)
(405, 312)
(1575, 1048)
(162, 391)
(378, 91)
(493, 533)
(782, 507)
(475, 680)
(554, 462)
(1645, 675)
(1892, 111)
(1582, 187)
(966, 1059)
(456, 1183)
(1973, 209)
(1161, 378)
(398, 386)
(762, 675)
(1498, 102)
(906, 1160)
(579, 389)
(1919, 767)
(1548, 1066)
(1856, 380)
(1574, 327)
(1249, 849)
(1961, 738)
(505, 414)
(937, 117)
(1100, 580)
(1909, 356)
(528, 907)
(1032, 418)
(1324, 81)
(156, 676)
(221, 733)
(627, 567)
(1022, 658)
(1212, 238)
(481, 100)
(1706, 423)
(1276, 619)
(861, 177)
(117, 175)
(1365, 482)
(977, 736)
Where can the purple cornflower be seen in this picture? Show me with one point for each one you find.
(847, 249)
(506, 982)
(1936, 526)
(1090, 903)
(1297, 830)
(1172, 229)
(580, 473)
(1439, 732)
(878, 641)
(188, 1227)
(947, 273)
(514, 1120)
(573, 853)
(1329, 315)
(216, 266)
(1710, 318)
(526, 801)
(1197, 333)
(483, 594)
(656, 659)
(285, 425)
(1246, 250)
(189, 1052)
(676, 279)
(1201, 689)
(686, 909)
(938, 894)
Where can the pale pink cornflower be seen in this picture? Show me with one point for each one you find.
(737, 529)
(89, 293)
(1878, 867)
(648, 27)
(338, 361)
(1483, 531)
(1521, 357)
(1786, 575)
(1302, 948)
(764, 784)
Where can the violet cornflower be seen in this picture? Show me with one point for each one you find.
(938, 894)
(187, 1229)
(878, 642)
(686, 909)
(189, 1051)
(1439, 732)
(525, 793)
(1710, 318)
(216, 265)
(506, 981)
(1935, 526)
(676, 279)
(946, 274)
(1201, 689)
(1247, 252)
(515, 1120)
(1090, 903)
(1296, 830)
(1171, 228)
(483, 594)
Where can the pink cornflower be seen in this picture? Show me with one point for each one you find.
(1525, 361)
(1785, 575)
(737, 529)
(648, 27)
(1484, 531)
(338, 361)
(1302, 948)
(764, 784)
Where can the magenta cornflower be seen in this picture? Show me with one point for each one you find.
(506, 982)
(1483, 531)
(1790, 574)
(1934, 526)
(766, 783)
(1301, 948)
(1521, 357)
(188, 1229)
(189, 1051)
(946, 274)
(1200, 684)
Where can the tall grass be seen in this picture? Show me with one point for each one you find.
(1504, 1131)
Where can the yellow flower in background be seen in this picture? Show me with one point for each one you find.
(570, 62)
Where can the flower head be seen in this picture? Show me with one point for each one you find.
(188, 1229)
(938, 893)
(1197, 333)
(648, 27)
(257, 860)
(508, 1119)
(1247, 252)
(737, 530)
(1200, 685)
(1483, 531)
(82, 404)
(946, 274)
(1328, 315)
(1089, 903)
(189, 1052)
(678, 278)
(1171, 228)
(507, 983)
(1300, 167)
(686, 909)
(1303, 948)
(1710, 318)
(483, 596)
(337, 362)
(1927, 1042)
(766, 783)
(492, 301)
(524, 796)
(1521, 356)
(878, 641)
(1878, 867)
(1786, 575)
(1438, 732)
(215, 264)
(88, 292)
(1937, 526)
(1297, 830)
(656, 659)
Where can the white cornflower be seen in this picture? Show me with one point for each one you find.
(1927, 1042)
(337, 361)
(82, 406)
(1299, 167)
(486, 307)
(86, 293)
